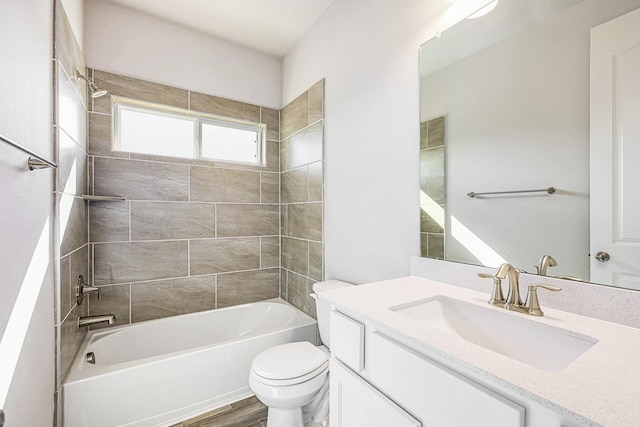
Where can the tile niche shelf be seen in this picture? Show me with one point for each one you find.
(92, 198)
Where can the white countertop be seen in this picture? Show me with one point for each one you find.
(600, 388)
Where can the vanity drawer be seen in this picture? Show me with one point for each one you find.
(347, 340)
(436, 395)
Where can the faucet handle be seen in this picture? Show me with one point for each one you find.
(532, 304)
(497, 298)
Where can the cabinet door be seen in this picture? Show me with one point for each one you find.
(438, 396)
(355, 403)
(347, 341)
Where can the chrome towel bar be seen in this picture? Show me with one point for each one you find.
(35, 161)
(550, 190)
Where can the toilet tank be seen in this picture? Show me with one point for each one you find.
(323, 307)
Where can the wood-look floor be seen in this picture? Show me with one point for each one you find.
(245, 413)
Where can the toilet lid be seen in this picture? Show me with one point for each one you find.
(288, 361)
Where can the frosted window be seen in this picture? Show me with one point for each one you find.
(229, 144)
(142, 127)
(143, 132)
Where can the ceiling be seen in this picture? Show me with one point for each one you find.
(269, 26)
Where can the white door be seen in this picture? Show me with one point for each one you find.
(615, 152)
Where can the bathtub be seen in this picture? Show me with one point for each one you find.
(159, 372)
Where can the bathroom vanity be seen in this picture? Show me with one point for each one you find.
(415, 352)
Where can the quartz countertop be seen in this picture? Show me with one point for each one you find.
(600, 388)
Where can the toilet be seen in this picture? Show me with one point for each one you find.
(293, 379)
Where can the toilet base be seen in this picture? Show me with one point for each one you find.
(284, 417)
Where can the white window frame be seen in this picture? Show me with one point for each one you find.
(118, 103)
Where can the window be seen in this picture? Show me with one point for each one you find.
(143, 127)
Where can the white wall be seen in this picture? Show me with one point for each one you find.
(130, 43)
(368, 52)
(26, 304)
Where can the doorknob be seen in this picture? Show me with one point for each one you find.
(602, 256)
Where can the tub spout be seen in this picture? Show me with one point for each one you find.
(92, 320)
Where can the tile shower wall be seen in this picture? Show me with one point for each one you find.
(432, 188)
(193, 235)
(71, 252)
(301, 196)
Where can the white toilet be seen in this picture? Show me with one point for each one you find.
(293, 379)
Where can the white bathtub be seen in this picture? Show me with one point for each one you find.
(159, 372)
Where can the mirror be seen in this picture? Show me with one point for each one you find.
(505, 108)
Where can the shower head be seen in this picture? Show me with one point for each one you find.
(96, 92)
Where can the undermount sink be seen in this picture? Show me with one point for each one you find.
(536, 344)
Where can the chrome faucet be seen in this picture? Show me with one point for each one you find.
(545, 261)
(92, 320)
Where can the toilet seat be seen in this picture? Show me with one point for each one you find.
(289, 364)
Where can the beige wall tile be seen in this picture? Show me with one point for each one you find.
(247, 286)
(100, 138)
(435, 246)
(71, 173)
(432, 162)
(298, 290)
(140, 180)
(316, 255)
(224, 185)
(73, 223)
(221, 255)
(113, 299)
(164, 298)
(71, 113)
(294, 116)
(304, 221)
(137, 89)
(294, 185)
(172, 220)
(70, 338)
(67, 50)
(272, 119)
(283, 283)
(108, 221)
(316, 98)
(304, 147)
(428, 224)
(273, 156)
(64, 290)
(269, 252)
(295, 255)
(247, 220)
(424, 135)
(424, 244)
(269, 187)
(137, 261)
(435, 132)
(224, 107)
(316, 182)
(435, 189)
(78, 265)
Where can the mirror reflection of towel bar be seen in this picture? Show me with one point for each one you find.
(550, 190)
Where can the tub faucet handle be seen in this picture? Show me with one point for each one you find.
(83, 289)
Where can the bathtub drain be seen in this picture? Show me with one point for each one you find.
(91, 358)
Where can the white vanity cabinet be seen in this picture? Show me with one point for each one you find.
(378, 381)
(355, 402)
